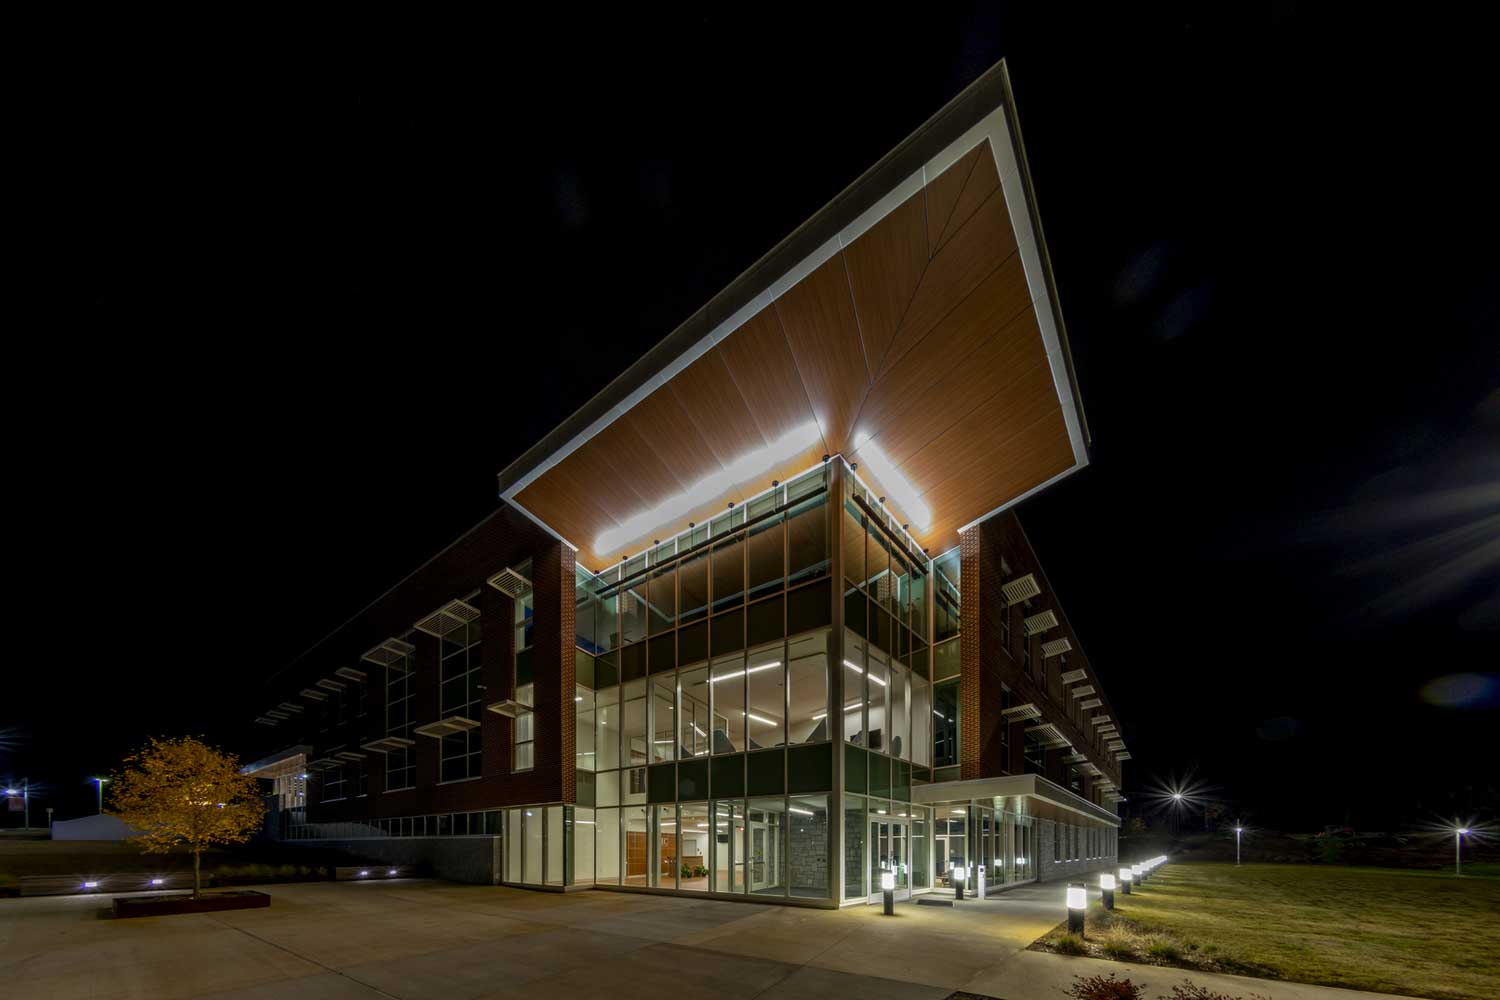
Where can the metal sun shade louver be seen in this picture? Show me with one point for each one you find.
(1020, 713)
(449, 618)
(1047, 735)
(1020, 589)
(350, 674)
(388, 653)
(1081, 691)
(1040, 622)
(1073, 676)
(313, 694)
(1091, 703)
(510, 583)
(1055, 647)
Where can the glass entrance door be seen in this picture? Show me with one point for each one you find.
(890, 850)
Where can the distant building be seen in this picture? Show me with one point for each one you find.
(757, 621)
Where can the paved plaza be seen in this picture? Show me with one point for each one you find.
(426, 939)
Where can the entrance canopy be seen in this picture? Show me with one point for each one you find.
(1011, 785)
(911, 326)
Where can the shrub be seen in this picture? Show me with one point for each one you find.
(1164, 950)
(1069, 944)
(1104, 988)
(1189, 990)
(1118, 944)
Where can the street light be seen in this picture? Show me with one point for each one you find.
(1458, 849)
(100, 782)
(25, 792)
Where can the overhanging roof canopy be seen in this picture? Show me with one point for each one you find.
(911, 326)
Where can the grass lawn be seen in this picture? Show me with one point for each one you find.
(1420, 933)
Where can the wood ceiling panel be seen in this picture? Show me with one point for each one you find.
(885, 265)
(980, 245)
(1032, 456)
(984, 180)
(629, 466)
(995, 367)
(817, 315)
(760, 361)
(570, 500)
(972, 443)
(942, 194)
(669, 431)
(998, 300)
(706, 391)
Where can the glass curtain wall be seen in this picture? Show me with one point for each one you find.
(702, 704)
(461, 694)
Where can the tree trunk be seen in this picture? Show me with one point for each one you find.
(195, 874)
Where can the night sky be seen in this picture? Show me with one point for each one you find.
(301, 295)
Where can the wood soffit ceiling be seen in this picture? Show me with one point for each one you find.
(922, 337)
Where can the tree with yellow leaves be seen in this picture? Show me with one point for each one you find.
(184, 792)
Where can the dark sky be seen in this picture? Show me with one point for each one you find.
(301, 293)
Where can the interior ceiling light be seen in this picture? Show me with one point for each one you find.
(897, 486)
(747, 468)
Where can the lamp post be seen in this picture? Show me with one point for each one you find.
(100, 783)
(25, 793)
(1107, 890)
(959, 874)
(1237, 831)
(888, 887)
(1458, 849)
(1126, 877)
(1078, 901)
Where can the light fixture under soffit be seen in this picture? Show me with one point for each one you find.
(897, 486)
(745, 469)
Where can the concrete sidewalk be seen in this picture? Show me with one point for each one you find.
(413, 940)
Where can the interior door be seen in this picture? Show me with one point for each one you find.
(890, 850)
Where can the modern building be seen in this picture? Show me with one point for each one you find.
(757, 622)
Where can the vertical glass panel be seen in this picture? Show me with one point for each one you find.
(692, 577)
(945, 723)
(807, 540)
(917, 615)
(729, 703)
(633, 785)
(637, 844)
(729, 846)
(634, 742)
(853, 534)
(556, 845)
(855, 847)
(945, 586)
(607, 788)
(694, 722)
(766, 822)
(531, 849)
(807, 694)
(585, 599)
(879, 706)
(729, 574)
(764, 558)
(633, 611)
(921, 722)
(807, 846)
(900, 713)
(697, 840)
(607, 728)
(878, 572)
(662, 592)
(921, 854)
(664, 716)
(607, 846)
(607, 621)
(854, 688)
(765, 673)
(512, 844)
(583, 703)
(665, 853)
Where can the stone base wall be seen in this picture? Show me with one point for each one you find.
(459, 859)
(1050, 870)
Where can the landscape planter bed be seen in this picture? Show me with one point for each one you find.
(163, 906)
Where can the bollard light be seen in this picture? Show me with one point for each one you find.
(1138, 873)
(959, 873)
(1107, 889)
(1126, 877)
(156, 881)
(363, 874)
(979, 881)
(1078, 901)
(392, 872)
(888, 888)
